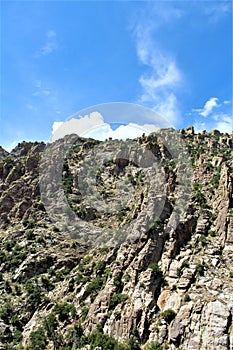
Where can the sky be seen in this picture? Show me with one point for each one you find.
(60, 57)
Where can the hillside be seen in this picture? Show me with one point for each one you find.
(102, 250)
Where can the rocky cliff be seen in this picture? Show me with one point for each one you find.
(127, 283)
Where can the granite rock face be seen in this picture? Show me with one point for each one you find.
(167, 278)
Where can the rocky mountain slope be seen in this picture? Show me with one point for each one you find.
(164, 285)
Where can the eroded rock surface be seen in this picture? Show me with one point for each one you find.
(170, 282)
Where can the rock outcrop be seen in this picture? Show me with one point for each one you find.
(77, 278)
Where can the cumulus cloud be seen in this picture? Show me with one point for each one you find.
(94, 126)
(123, 132)
(224, 123)
(50, 44)
(221, 122)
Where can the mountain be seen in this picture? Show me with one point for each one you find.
(118, 245)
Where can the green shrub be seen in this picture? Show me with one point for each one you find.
(132, 344)
(65, 310)
(203, 240)
(29, 223)
(47, 284)
(17, 337)
(84, 312)
(215, 181)
(168, 315)
(95, 285)
(105, 342)
(155, 267)
(6, 311)
(107, 272)
(200, 269)
(117, 299)
(38, 340)
(118, 282)
(9, 245)
(35, 294)
(40, 206)
(197, 186)
(18, 290)
(30, 235)
(213, 233)
(103, 250)
(7, 286)
(187, 297)
(3, 256)
(99, 266)
(87, 259)
(50, 324)
(154, 345)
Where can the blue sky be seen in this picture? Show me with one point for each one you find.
(59, 57)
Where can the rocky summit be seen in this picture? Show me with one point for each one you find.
(118, 244)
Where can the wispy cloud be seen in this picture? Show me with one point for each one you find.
(50, 44)
(216, 10)
(41, 89)
(44, 97)
(161, 77)
(42, 92)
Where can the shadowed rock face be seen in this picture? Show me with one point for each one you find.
(169, 283)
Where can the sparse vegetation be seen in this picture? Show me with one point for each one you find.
(200, 269)
(156, 269)
(154, 345)
(168, 315)
(62, 284)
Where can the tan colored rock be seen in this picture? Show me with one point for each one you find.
(161, 302)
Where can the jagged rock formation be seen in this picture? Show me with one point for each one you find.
(168, 286)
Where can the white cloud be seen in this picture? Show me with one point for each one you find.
(168, 108)
(224, 123)
(42, 92)
(123, 132)
(165, 75)
(38, 83)
(31, 107)
(50, 44)
(51, 34)
(209, 105)
(79, 126)
(56, 126)
(199, 126)
(216, 10)
(94, 126)
(162, 77)
(221, 122)
(159, 86)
